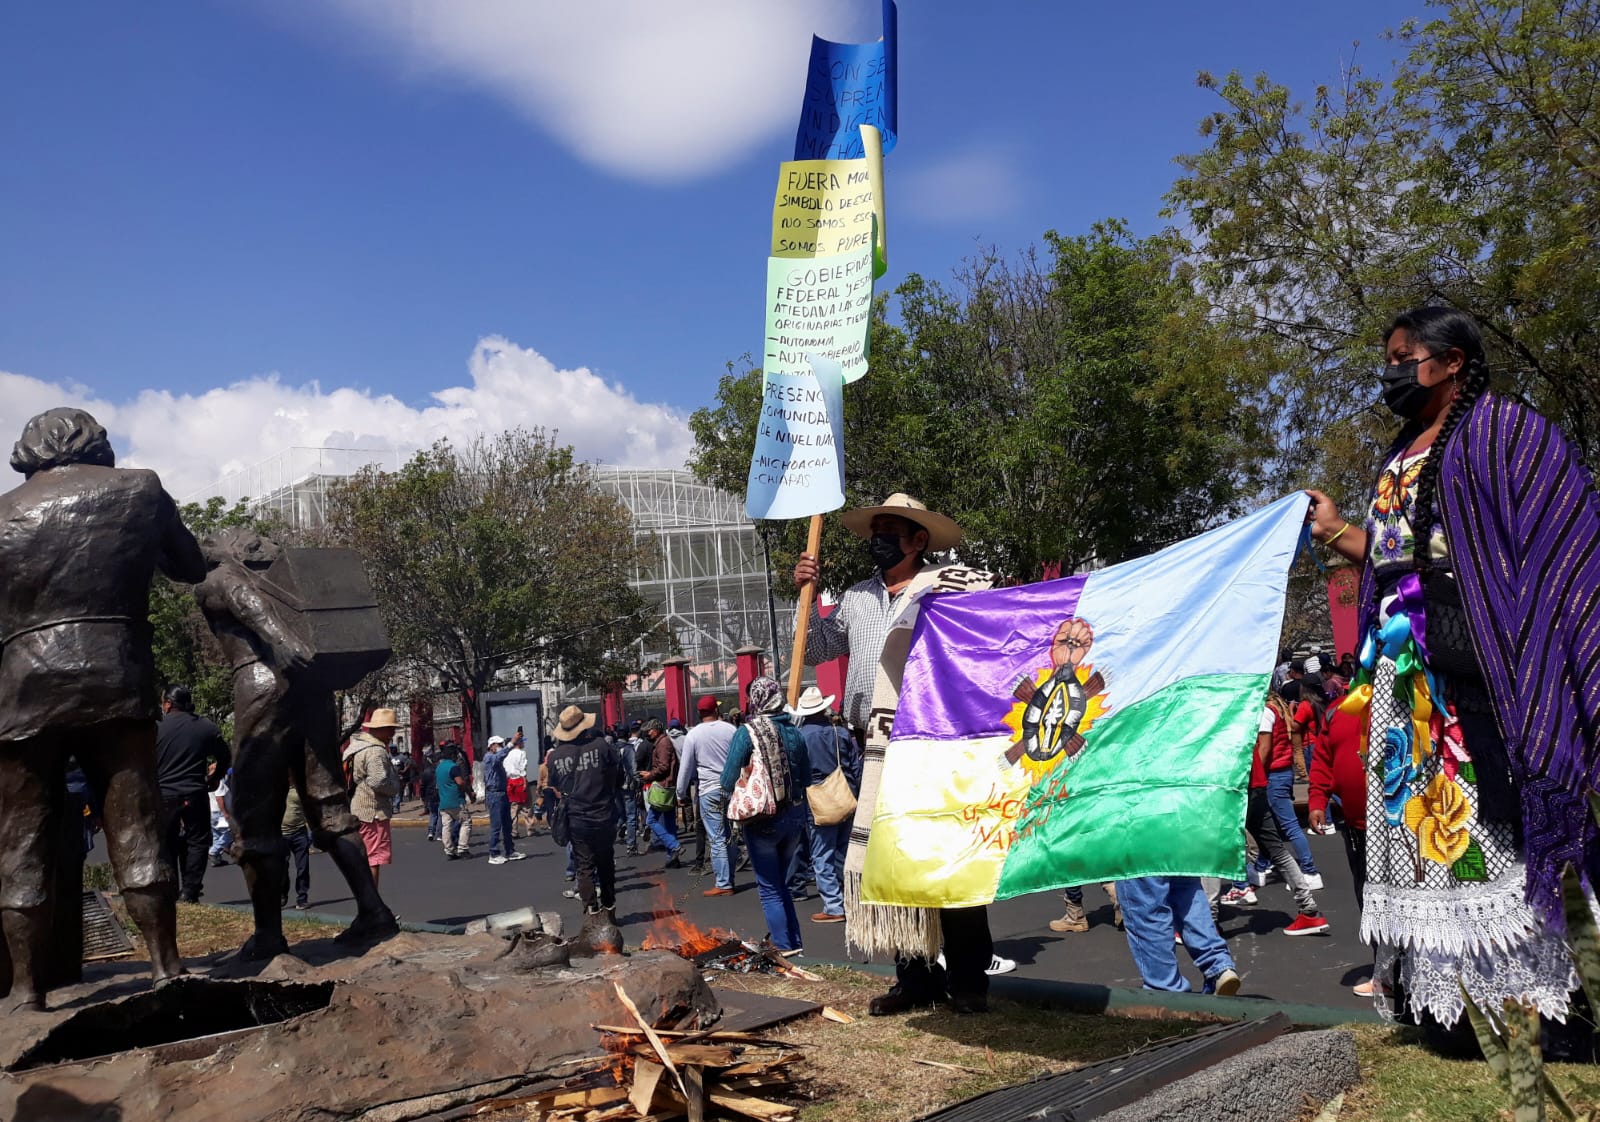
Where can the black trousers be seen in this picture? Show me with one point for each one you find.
(968, 950)
(1355, 851)
(597, 867)
(186, 834)
(300, 850)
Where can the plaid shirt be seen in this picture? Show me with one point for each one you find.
(858, 626)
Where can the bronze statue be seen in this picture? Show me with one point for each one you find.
(80, 541)
(285, 725)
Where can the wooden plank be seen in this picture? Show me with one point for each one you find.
(646, 1078)
(588, 1096)
(649, 1034)
(705, 1055)
(711, 1036)
(750, 1107)
(694, 1081)
(760, 1066)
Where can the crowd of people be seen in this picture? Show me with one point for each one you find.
(1469, 744)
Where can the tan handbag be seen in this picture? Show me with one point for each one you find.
(831, 800)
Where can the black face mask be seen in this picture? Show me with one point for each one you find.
(1404, 395)
(886, 551)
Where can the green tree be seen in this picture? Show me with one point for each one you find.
(498, 555)
(1468, 178)
(185, 652)
(1075, 404)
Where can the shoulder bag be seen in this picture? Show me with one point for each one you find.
(831, 800)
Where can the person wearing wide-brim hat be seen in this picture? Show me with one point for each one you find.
(830, 749)
(373, 785)
(586, 773)
(900, 533)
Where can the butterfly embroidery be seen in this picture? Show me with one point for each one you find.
(1393, 486)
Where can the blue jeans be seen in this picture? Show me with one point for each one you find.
(435, 822)
(772, 850)
(628, 814)
(499, 807)
(828, 845)
(664, 825)
(1280, 797)
(1156, 908)
(800, 871)
(720, 835)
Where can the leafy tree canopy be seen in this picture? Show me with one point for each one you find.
(500, 554)
(1468, 177)
(1077, 403)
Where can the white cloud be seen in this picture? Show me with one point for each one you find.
(193, 439)
(642, 88)
(970, 184)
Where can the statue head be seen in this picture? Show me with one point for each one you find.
(248, 547)
(59, 437)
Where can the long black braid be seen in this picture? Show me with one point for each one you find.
(1439, 329)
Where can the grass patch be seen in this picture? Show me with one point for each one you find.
(865, 1071)
(203, 930)
(1404, 1082)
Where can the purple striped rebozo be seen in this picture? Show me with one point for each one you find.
(968, 651)
(1522, 520)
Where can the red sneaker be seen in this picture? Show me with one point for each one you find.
(1307, 925)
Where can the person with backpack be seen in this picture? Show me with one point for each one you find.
(661, 797)
(774, 751)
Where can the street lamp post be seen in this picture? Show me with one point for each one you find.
(772, 607)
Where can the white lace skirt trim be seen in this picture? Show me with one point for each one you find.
(1467, 919)
(1538, 973)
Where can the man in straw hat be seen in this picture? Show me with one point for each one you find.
(900, 533)
(586, 772)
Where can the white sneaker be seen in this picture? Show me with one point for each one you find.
(998, 965)
(497, 860)
(1314, 882)
(516, 855)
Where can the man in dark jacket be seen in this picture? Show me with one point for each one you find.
(186, 746)
(585, 772)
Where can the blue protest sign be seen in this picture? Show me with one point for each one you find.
(798, 466)
(848, 85)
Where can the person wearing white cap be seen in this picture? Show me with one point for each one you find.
(831, 749)
(498, 803)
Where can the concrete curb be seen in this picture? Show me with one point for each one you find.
(1082, 997)
(1284, 1077)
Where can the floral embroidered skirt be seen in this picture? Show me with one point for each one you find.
(1444, 893)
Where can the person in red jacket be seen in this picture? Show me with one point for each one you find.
(1337, 771)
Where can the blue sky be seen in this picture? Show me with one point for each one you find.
(231, 227)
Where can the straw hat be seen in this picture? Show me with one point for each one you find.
(810, 704)
(572, 722)
(381, 719)
(943, 533)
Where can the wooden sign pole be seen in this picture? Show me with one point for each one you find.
(802, 619)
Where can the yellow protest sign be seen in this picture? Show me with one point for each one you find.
(826, 207)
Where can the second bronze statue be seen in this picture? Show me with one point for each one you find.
(286, 725)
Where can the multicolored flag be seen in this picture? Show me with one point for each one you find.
(1092, 728)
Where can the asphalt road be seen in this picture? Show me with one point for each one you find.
(422, 886)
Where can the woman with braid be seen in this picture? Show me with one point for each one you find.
(1479, 681)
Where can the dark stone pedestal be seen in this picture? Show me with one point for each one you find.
(413, 1026)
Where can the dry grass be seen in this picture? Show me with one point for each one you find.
(864, 1072)
(204, 930)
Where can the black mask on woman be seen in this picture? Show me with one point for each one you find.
(1405, 396)
(886, 551)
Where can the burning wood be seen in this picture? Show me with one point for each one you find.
(671, 930)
